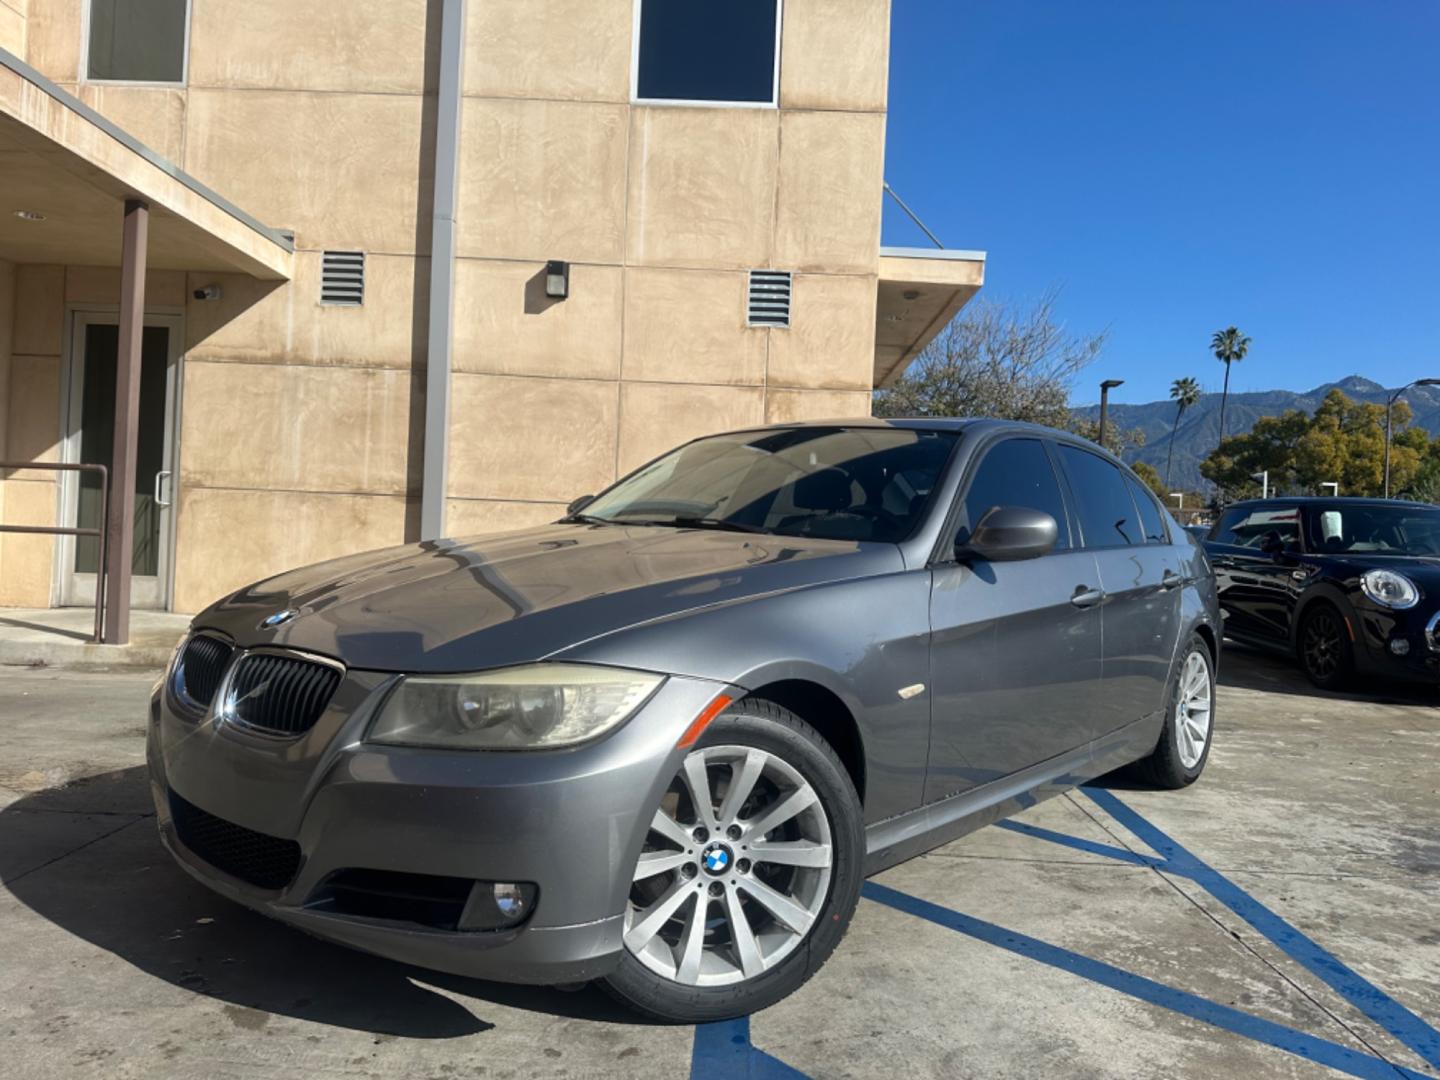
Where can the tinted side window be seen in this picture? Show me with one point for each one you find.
(1151, 524)
(1102, 501)
(707, 51)
(1016, 472)
(1248, 526)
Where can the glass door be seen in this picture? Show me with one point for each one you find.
(94, 352)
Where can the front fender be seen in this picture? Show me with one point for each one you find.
(864, 640)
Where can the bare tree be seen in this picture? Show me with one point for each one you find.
(997, 359)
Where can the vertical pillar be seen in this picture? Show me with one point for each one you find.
(120, 516)
(435, 474)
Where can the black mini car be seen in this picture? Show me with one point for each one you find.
(1346, 585)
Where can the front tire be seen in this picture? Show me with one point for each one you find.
(1324, 647)
(1184, 747)
(749, 875)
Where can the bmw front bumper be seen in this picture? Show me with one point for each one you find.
(571, 822)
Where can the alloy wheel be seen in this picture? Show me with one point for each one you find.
(1321, 644)
(735, 869)
(1193, 709)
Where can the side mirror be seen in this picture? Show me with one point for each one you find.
(579, 504)
(1010, 533)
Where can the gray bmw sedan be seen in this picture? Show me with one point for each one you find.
(661, 741)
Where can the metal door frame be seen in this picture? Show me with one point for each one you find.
(67, 587)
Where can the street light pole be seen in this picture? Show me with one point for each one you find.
(1105, 388)
(1389, 406)
(1179, 497)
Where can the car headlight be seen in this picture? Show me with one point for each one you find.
(534, 707)
(1389, 589)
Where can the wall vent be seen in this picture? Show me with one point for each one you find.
(769, 302)
(342, 278)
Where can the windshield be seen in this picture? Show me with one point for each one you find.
(833, 483)
(1375, 530)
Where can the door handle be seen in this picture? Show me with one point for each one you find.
(1084, 596)
(160, 478)
(1170, 580)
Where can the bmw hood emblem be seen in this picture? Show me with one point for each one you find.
(280, 618)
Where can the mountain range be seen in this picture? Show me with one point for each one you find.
(1199, 429)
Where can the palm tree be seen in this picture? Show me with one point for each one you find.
(1228, 345)
(1184, 392)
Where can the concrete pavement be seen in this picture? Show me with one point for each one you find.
(1285, 911)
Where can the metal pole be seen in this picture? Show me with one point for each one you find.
(120, 513)
(912, 215)
(434, 484)
(1389, 407)
(1104, 411)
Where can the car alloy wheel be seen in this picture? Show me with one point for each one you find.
(1193, 709)
(734, 872)
(1322, 645)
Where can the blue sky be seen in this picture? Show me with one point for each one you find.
(1179, 167)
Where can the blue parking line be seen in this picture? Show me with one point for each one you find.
(723, 1051)
(1119, 854)
(1321, 1051)
(1353, 987)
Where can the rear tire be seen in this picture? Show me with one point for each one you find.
(1323, 647)
(686, 958)
(1184, 747)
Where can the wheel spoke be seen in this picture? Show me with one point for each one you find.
(1187, 744)
(786, 809)
(781, 906)
(698, 780)
(742, 783)
(657, 862)
(669, 828)
(746, 951)
(692, 943)
(791, 853)
(658, 914)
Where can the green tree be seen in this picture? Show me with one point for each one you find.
(1185, 393)
(1343, 442)
(1228, 345)
(996, 359)
(1151, 476)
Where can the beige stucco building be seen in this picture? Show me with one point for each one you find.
(281, 422)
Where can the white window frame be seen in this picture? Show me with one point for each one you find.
(692, 103)
(84, 73)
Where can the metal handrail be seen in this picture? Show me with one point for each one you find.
(60, 530)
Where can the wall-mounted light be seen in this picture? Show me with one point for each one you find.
(208, 292)
(557, 279)
(29, 215)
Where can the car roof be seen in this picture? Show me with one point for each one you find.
(969, 424)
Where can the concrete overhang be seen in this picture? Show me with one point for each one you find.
(62, 160)
(919, 293)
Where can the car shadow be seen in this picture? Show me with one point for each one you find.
(86, 858)
(1248, 668)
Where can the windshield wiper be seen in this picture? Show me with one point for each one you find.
(718, 524)
(586, 519)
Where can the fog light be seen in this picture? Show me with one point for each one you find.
(498, 905)
(510, 898)
(1400, 646)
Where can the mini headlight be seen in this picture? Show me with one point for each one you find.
(534, 707)
(1389, 589)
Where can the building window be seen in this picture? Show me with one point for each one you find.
(140, 41)
(724, 52)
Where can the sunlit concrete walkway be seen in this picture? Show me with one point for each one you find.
(61, 638)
